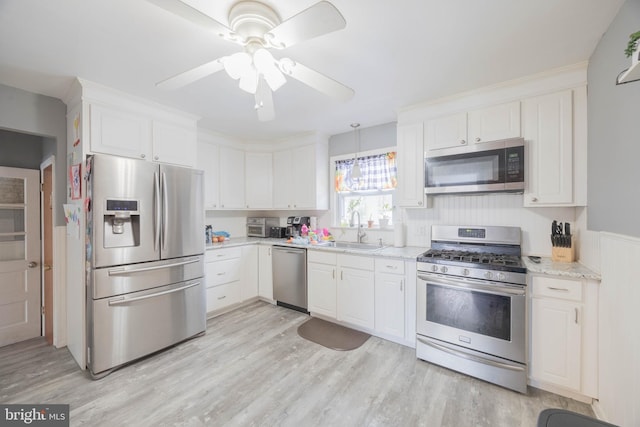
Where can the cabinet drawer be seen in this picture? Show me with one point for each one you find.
(222, 254)
(393, 266)
(355, 261)
(321, 257)
(222, 271)
(557, 288)
(222, 296)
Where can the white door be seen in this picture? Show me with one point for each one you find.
(19, 255)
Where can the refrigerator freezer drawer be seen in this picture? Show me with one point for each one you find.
(127, 327)
(110, 281)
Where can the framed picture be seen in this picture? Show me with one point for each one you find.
(74, 180)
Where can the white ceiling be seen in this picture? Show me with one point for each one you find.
(392, 53)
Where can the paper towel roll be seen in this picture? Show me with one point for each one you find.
(313, 222)
(398, 235)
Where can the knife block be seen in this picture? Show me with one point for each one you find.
(560, 254)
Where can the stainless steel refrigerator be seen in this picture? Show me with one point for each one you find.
(145, 257)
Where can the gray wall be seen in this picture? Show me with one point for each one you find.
(614, 132)
(19, 150)
(43, 117)
(371, 138)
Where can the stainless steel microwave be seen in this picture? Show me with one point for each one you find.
(480, 168)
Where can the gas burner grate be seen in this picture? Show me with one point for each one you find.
(473, 257)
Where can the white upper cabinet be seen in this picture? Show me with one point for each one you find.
(174, 143)
(446, 132)
(232, 178)
(259, 180)
(282, 177)
(208, 161)
(410, 155)
(494, 123)
(121, 133)
(548, 132)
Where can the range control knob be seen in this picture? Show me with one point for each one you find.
(444, 269)
(434, 268)
(465, 272)
(502, 276)
(488, 275)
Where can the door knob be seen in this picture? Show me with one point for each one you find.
(46, 267)
(33, 264)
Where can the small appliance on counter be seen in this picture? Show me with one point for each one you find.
(278, 232)
(295, 223)
(261, 227)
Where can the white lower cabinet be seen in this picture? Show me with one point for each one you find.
(390, 297)
(265, 273)
(563, 335)
(322, 283)
(222, 273)
(355, 295)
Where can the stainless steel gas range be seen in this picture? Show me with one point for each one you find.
(471, 310)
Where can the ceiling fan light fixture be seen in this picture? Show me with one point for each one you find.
(249, 80)
(265, 63)
(237, 65)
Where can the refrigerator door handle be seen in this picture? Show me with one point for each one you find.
(123, 300)
(122, 271)
(156, 189)
(165, 210)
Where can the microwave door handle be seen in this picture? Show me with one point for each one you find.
(156, 211)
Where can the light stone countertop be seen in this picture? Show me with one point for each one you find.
(573, 270)
(407, 253)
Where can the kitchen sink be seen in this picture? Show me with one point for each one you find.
(351, 245)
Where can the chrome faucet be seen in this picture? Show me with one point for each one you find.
(361, 234)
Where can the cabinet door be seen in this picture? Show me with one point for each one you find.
(174, 143)
(446, 132)
(259, 180)
(249, 274)
(321, 282)
(356, 297)
(556, 341)
(120, 133)
(303, 184)
(494, 123)
(282, 177)
(410, 190)
(548, 132)
(231, 172)
(265, 273)
(208, 159)
(389, 304)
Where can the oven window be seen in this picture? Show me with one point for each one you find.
(472, 311)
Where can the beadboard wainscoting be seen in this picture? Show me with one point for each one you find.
(619, 340)
(488, 209)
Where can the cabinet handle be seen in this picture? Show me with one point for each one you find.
(419, 203)
(222, 297)
(401, 281)
(462, 141)
(341, 274)
(333, 273)
(393, 267)
(576, 310)
(534, 199)
(269, 251)
(247, 206)
(222, 274)
(478, 139)
(142, 156)
(557, 289)
(156, 157)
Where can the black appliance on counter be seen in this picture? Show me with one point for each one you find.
(278, 232)
(295, 223)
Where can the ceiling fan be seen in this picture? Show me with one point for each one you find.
(257, 28)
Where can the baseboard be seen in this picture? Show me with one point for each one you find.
(599, 411)
(561, 391)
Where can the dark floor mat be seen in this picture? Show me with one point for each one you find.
(330, 335)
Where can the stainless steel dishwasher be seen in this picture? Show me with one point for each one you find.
(290, 277)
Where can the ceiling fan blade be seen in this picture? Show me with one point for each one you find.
(315, 80)
(319, 19)
(191, 14)
(192, 75)
(264, 101)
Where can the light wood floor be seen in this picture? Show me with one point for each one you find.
(251, 368)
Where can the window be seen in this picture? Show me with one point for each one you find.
(371, 195)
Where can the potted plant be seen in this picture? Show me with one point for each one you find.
(385, 211)
(632, 46)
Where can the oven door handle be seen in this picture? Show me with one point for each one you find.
(470, 357)
(481, 287)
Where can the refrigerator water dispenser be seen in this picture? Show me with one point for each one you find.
(121, 223)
